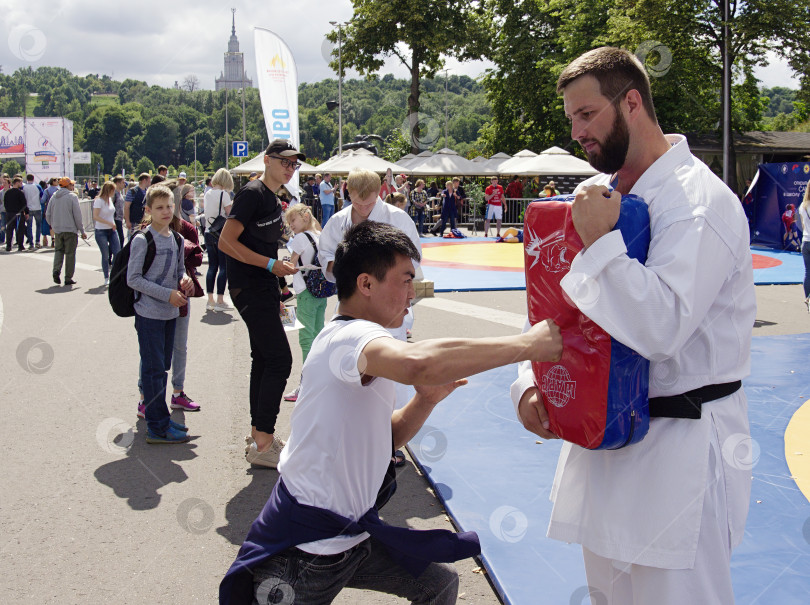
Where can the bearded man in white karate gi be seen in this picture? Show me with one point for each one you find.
(657, 520)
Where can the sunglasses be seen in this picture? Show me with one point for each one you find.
(287, 163)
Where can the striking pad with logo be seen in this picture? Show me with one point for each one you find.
(597, 394)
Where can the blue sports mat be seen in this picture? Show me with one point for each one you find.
(495, 479)
(789, 271)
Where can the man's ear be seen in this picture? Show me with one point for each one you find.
(633, 104)
(364, 284)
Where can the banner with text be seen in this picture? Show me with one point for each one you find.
(12, 137)
(278, 89)
(772, 204)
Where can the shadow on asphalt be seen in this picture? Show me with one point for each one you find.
(97, 290)
(213, 318)
(245, 506)
(145, 469)
(54, 289)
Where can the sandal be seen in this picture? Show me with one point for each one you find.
(398, 458)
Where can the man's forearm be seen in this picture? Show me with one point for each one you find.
(406, 422)
(439, 361)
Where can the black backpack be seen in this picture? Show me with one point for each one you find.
(316, 281)
(122, 297)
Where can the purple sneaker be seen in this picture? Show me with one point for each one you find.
(141, 409)
(184, 402)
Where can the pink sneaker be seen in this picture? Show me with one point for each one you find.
(141, 410)
(184, 402)
(291, 396)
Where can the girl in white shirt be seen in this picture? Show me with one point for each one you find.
(310, 310)
(216, 202)
(105, 231)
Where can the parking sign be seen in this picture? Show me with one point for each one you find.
(240, 149)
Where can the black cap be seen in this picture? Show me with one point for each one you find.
(283, 148)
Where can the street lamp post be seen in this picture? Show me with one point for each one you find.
(445, 107)
(340, 83)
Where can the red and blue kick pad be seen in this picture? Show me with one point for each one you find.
(597, 394)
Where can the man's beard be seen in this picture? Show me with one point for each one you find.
(613, 149)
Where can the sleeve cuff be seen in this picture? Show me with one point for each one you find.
(587, 264)
(524, 382)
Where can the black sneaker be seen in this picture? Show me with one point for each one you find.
(69, 282)
(56, 279)
(287, 296)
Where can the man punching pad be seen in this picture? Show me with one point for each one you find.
(596, 395)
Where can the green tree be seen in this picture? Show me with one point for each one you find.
(122, 163)
(417, 32)
(160, 140)
(532, 41)
(12, 167)
(144, 165)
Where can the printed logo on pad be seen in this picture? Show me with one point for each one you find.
(558, 387)
(551, 252)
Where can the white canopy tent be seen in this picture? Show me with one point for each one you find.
(359, 158)
(495, 161)
(554, 161)
(407, 161)
(508, 166)
(447, 162)
(257, 165)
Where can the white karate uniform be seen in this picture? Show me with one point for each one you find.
(341, 222)
(690, 311)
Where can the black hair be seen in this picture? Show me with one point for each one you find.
(369, 247)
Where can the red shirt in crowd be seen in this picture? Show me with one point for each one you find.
(497, 198)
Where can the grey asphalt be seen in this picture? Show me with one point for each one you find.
(91, 514)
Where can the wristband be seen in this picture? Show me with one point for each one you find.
(270, 264)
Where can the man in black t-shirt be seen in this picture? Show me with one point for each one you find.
(250, 239)
(16, 209)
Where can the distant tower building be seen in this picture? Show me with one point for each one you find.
(234, 75)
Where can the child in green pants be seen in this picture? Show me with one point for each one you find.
(310, 310)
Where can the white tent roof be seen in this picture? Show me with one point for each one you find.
(359, 158)
(257, 165)
(554, 161)
(495, 161)
(447, 162)
(509, 166)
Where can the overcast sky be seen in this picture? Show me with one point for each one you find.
(163, 42)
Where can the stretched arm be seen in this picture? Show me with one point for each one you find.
(435, 362)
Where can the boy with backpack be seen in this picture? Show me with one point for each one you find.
(156, 306)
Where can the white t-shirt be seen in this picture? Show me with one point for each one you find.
(804, 218)
(211, 204)
(340, 445)
(300, 244)
(106, 212)
(32, 195)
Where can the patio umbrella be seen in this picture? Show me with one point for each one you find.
(554, 161)
(447, 162)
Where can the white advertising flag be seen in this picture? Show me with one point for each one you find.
(278, 89)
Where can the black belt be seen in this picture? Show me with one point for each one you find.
(688, 405)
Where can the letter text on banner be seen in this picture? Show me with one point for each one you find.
(278, 90)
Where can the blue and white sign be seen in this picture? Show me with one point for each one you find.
(240, 149)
